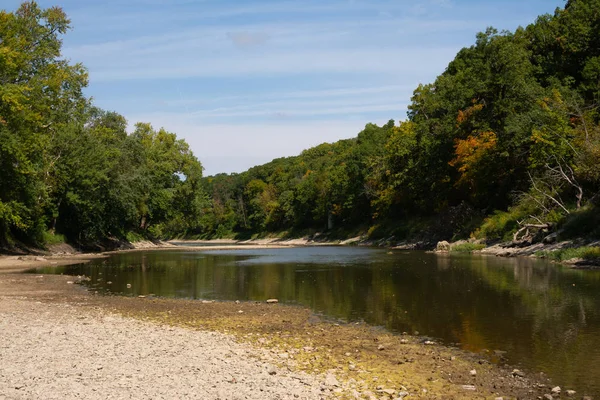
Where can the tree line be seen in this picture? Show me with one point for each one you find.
(67, 168)
(505, 143)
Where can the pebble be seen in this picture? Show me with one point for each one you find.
(548, 397)
(403, 341)
(556, 390)
(468, 387)
(571, 393)
(272, 301)
(381, 347)
(331, 380)
(473, 372)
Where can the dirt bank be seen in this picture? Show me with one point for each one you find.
(59, 341)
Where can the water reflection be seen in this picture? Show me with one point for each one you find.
(545, 317)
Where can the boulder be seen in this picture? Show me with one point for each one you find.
(442, 246)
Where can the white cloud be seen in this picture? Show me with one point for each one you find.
(248, 39)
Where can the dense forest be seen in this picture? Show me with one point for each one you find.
(505, 141)
(505, 144)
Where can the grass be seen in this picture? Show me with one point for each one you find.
(588, 253)
(466, 247)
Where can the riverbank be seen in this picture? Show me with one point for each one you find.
(66, 255)
(327, 358)
(580, 254)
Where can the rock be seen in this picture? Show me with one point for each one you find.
(556, 390)
(40, 259)
(272, 371)
(69, 282)
(403, 341)
(308, 349)
(518, 373)
(129, 286)
(351, 367)
(442, 246)
(272, 301)
(402, 395)
(240, 311)
(389, 392)
(381, 347)
(428, 343)
(331, 380)
(468, 387)
(548, 397)
(571, 393)
(473, 372)
(141, 296)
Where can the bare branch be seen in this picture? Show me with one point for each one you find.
(546, 194)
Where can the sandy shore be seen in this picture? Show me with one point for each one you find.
(22, 263)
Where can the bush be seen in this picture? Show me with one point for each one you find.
(590, 253)
(50, 238)
(133, 237)
(500, 225)
(466, 247)
(582, 223)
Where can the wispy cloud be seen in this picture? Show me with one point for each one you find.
(246, 81)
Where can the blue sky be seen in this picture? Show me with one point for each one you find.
(248, 81)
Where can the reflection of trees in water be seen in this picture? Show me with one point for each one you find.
(563, 306)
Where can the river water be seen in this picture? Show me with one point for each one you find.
(546, 318)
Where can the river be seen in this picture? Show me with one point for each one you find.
(535, 315)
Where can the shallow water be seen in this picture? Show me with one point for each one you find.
(545, 317)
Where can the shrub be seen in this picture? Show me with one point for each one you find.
(466, 247)
(50, 238)
(590, 253)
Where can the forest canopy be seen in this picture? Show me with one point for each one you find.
(506, 140)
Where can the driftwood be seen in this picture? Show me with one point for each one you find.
(526, 227)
